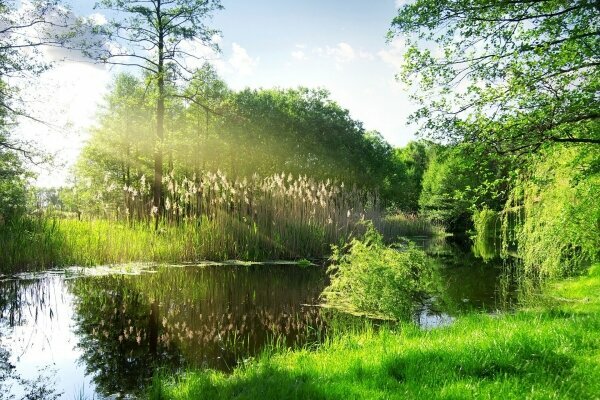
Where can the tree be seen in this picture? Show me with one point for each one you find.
(204, 96)
(208, 127)
(459, 180)
(118, 152)
(26, 28)
(155, 35)
(510, 74)
(13, 177)
(414, 158)
(301, 131)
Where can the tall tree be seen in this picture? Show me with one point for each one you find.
(414, 158)
(204, 95)
(511, 74)
(157, 36)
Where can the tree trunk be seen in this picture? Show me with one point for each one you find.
(160, 122)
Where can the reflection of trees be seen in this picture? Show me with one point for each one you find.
(117, 328)
(470, 283)
(30, 303)
(176, 317)
(22, 298)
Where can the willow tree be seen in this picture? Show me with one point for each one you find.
(513, 75)
(157, 36)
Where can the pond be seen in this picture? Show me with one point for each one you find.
(67, 334)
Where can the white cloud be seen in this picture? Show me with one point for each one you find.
(241, 61)
(299, 55)
(365, 55)
(394, 54)
(342, 53)
(97, 19)
(400, 3)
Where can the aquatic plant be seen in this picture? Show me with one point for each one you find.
(208, 217)
(371, 278)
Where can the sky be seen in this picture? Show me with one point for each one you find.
(339, 45)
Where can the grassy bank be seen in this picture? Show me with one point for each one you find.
(36, 243)
(548, 351)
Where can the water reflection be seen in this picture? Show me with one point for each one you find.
(467, 282)
(106, 335)
(180, 317)
(38, 355)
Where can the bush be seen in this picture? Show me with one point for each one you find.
(371, 278)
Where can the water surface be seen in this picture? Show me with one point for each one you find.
(104, 335)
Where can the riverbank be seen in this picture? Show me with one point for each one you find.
(549, 350)
(38, 243)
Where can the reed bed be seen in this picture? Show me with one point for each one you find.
(208, 217)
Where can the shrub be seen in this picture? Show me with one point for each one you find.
(382, 281)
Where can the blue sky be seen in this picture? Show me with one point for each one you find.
(333, 44)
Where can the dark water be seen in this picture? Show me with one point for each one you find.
(73, 336)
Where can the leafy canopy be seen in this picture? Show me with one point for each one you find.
(511, 74)
(148, 33)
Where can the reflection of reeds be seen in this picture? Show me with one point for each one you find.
(201, 331)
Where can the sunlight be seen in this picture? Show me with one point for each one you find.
(208, 199)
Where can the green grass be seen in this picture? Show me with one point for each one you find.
(401, 225)
(43, 243)
(550, 351)
(37, 243)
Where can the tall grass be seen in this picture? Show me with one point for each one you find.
(400, 224)
(205, 218)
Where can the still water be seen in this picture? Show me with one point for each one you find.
(68, 334)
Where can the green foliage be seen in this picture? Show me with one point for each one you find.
(509, 75)
(302, 131)
(547, 352)
(210, 128)
(460, 179)
(371, 278)
(559, 232)
(13, 186)
(413, 160)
